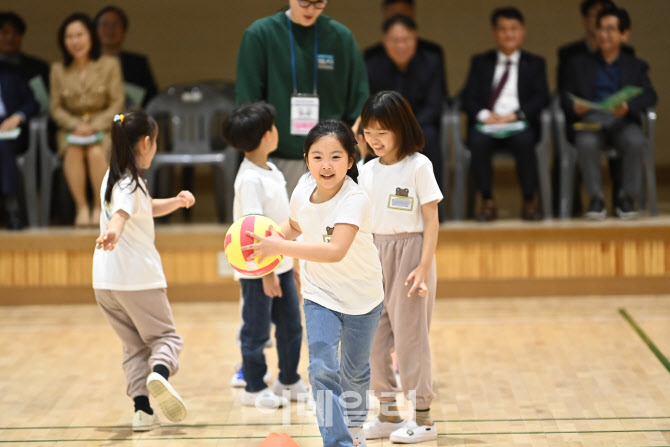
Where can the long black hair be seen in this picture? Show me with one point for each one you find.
(95, 51)
(127, 130)
(342, 133)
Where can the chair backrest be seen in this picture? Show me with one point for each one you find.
(195, 112)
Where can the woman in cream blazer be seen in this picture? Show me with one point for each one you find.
(86, 93)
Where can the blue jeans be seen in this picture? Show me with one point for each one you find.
(258, 310)
(340, 388)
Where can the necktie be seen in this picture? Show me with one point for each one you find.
(499, 87)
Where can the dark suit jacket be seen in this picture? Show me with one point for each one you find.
(17, 97)
(422, 83)
(566, 52)
(532, 86)
(136, 70)
(28, 67)
(580, 80)
(423, 46)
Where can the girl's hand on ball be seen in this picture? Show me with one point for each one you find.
(107, 240)
(265, 247)
(186, 199)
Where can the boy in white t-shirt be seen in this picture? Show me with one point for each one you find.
(260, 188)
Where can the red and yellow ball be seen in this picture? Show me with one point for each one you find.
(237, 237)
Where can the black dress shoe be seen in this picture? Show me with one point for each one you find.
(488, 212)
(530, 211)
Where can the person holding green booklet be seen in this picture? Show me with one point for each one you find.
(602, 96)
(86, 93)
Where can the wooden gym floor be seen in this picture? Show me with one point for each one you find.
(548, 372)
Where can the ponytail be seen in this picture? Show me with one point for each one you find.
(127, 130)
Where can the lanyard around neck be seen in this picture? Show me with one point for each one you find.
(316, 54)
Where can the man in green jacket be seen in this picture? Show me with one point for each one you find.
(309, 67)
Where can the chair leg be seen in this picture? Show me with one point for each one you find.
(650, 176)
(567, 185)
(545, 182)
(30, 196)
(220, 187)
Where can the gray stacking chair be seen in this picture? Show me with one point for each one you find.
(27, 164)
(461, 160)
(193, 111)
(50, 163)
(568, 160)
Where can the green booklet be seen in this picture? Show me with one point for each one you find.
(78, 140)
(613, 101)
(10, 134)
(502, 130)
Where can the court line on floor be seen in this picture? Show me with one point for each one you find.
(645, 338)
(264, 424)
(209, 438)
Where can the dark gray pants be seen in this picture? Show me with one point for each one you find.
(628, 141)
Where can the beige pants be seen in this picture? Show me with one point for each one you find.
(404, 324)
(143, 321)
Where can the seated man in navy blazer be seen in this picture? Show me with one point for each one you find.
(594, 77)
(504, 86)
(17, 105)
(31, 69)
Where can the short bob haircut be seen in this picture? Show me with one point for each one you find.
(392, 112)
(95, 51)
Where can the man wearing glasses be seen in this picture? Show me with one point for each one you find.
(595, 77)
(309, 67)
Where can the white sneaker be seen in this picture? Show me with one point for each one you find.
(144, 421)
(358, 435)
(413, 433)
(376, 429)
(263, 399)
(170, 401)
(237, 381)
(298, 392)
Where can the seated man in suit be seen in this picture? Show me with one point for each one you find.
(416, 73)
(33, 70)
(111, 23)
(504, 86)
(17, 105)
(595, 77)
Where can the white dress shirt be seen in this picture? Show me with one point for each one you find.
(508, 101)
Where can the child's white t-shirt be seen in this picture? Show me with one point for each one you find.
(398, 191)
(262, 191)
(134, 264)
(354, 285)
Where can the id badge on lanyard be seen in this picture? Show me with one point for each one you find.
(304, 113)
(304, 106)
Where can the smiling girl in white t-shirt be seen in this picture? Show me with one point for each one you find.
(128, 278)
(342, 278)
(404, 195)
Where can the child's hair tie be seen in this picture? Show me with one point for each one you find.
(118, 118)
